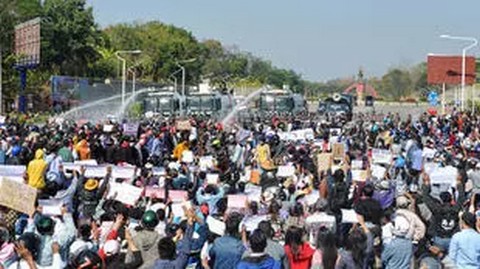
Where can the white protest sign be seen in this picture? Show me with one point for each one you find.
(359, 175)
(216, 226)
(130, 129)
(187, 156)
(253, 192)
(212, 179)
(159, 171)
(429, 167)
(12, 170)
(357, 164)
(108, 128)
(378, 171)
(237, 201)
(124, 172)
(251, 223)
(51, 207)
(86, 162)
(381, 156)
(349, 216)
(286, 171)
(444, 175)
(125, 193)
(297, 135)
(177, 209)
(312, 198)
(2, 119)
(206, 162)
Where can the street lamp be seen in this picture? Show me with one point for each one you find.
(464, 52)
(124, 68)
(172, 75)
(178, 63)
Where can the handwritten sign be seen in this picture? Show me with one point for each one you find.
(349, 216)
(51, 207)
(216, 226)
(297, 135)
(378, 171)
(286, 171)
(381, 156)
(206, 162)
(359, 175)
(108, 128)
(251, 223)
(183, 125)
(237, 201)
(153, 192)
(338, 151)
(253, 192)
(444, 175)
(125, 193)
(91, 162)
(323, 160)
(428, 153)
(17, 196)
(177, 196)
(187, 156)
(130, 129)
(212, 179)
(357, 164)
(99, 171)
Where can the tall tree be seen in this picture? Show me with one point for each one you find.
(69, 37)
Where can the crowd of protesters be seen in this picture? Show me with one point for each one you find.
(402, 218)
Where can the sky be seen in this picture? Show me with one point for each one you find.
(319, 39)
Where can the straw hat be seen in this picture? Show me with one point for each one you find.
(91, 184)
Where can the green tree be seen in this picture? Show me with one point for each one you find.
(69, 37)
(396, 84)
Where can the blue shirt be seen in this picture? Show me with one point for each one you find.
(398, 253)
(464, 249)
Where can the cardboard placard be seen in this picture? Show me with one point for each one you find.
(323, 161)
(125, 193)
(381, 156)
(183, 125)
(17, 196)
(338, 151)
(177, 209)
(206, 162)
(236, 201)
(359, 175)
(12, 170)
(187, 156)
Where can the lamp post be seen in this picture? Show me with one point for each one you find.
(464, 53)
(124, 68)
(178, 63)
(172, 75)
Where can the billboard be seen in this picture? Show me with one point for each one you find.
(448, 69)
(27, 42)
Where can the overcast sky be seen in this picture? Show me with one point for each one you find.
(318, 38)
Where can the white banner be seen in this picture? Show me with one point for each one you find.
(125, 193)
(12, 170)
(298, 135)
(444, 175)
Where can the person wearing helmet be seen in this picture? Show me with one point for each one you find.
(146, 239)
(27, 248)
(53, 231)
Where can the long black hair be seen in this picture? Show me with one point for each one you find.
(294, 239)
(326, 243)
(356, 243)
